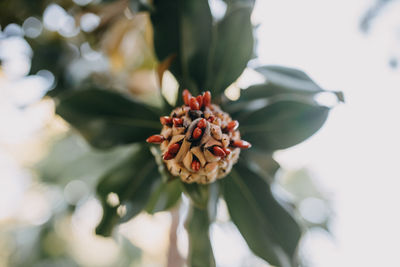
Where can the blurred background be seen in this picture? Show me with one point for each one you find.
(344, 179)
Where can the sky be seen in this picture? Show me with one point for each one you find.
(354, 157)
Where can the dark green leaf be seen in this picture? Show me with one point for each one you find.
(183, 28)
(289, 78)
(282, 124)
(200, 250)
(232, 48)
(164, 196)
(268, 228)
(107, 118)
(132, 181)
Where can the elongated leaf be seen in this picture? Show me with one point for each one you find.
(282, 124)
(108, 119)
(200, 250)
(261, 162)
(164, 196)
(268, 228)
(232, 48)
(283, 80)
(183, 28)
(289, 78)
(132, 181)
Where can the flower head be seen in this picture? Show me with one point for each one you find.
(200, 142)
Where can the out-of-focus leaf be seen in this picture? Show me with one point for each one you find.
(164, 196)
(139, 5)
(17, 11)
(107, 119)
(232, 4)
(301, 186)
(268, 228)
(200, 250)
(282, 124)
(289, 79)
(132, 180)
(183, 28)
(284, 80)
(261, 162)
(232, 48)
(71, 158)
(281, 82)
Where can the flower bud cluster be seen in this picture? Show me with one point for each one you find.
(200, 142)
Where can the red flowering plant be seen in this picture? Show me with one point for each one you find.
(198, 147)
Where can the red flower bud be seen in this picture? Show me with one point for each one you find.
(168, 156)
(197, 132)
(155, 139)
(226, 150)
(174, 148)
(232, 126)
(194, 104)
(186, 96)
(177, 121)
(218, 151)
(241, 144)
(165, 120)
(199, 99)
(202, 124)
(207, 98)
(195, 165)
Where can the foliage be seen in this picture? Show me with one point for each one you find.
(205, 54)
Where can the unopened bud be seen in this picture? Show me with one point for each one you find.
(186, 96)
(218, 151)
(194, 104)
(155, 139)
(241, 144)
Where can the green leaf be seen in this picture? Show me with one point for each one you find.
(232, 4)
(70, 157)
(283, 80)
(183, 28)
(106, 118)
(132, 180)
(139, 5)
(200, 250)
(289, 79)
(232, 48)
(268, 228)
(282, 124)
(261, 162)
(164, 196)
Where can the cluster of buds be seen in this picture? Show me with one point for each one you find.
(200, 142)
